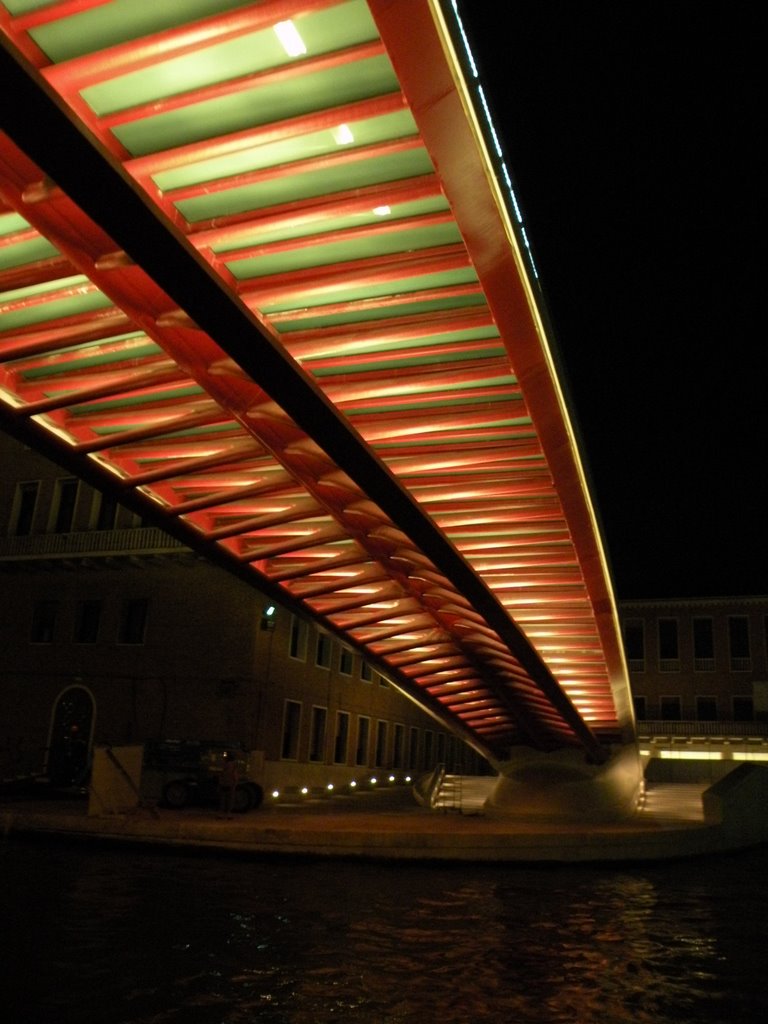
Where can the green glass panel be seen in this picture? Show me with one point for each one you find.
(373, 312)
(437, 404)
(464, 275)
(37, 290)
(339, 27)
(329, 225)
(26, 252)
(286, 151)
(70, 306)
(266, 104)
(423, 341)
(69, 358)
(119, 22)
(297, 187)
(10, 222)
(469, 441)
(363, 247)
(132, 401)
(441, 358)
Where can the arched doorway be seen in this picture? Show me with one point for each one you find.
(70, 744)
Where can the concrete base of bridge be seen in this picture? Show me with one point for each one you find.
(562, 787)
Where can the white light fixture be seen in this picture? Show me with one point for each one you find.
(290, 39)
(342, 135)
(382, 211)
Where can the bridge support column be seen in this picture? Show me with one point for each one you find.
(561, 787)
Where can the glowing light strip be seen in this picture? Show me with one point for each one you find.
(494, 137)
(290, 39)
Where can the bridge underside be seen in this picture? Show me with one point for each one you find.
(283, 306)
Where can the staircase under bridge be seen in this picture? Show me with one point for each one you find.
(264, 277)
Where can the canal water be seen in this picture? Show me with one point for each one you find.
(113, 936)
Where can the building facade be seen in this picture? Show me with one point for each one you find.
(702, 661)
(113, 632)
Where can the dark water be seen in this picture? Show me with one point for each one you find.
(107, 936)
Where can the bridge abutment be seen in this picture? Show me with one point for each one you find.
(562, 787)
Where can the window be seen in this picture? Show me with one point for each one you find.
(738, 642)
(65, 498)
(341, 740)
(297, 643)
(87, 625)
(363, 740)
(107, 512)
(398, 745)
(383, 682)
(317, 726)
(323, 651)
(381, 743)
(668, 649)
(670, 709)
(450, 752)
(641, 708)
(634, 644)
(413, 748)
(24, 508)
(743, 709)
(43, 621)
(706, 709)
(441, 748)
(133, 621)
(346, 661)
(289, 748)
(703, 645)
(429, 747)
(366, 672)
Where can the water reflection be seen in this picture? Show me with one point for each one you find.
(128, 938)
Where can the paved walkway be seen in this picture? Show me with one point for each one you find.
(390, 825)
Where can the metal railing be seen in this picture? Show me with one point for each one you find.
(130, 541)
(728, 729)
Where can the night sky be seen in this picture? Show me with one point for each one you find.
(633, 134)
